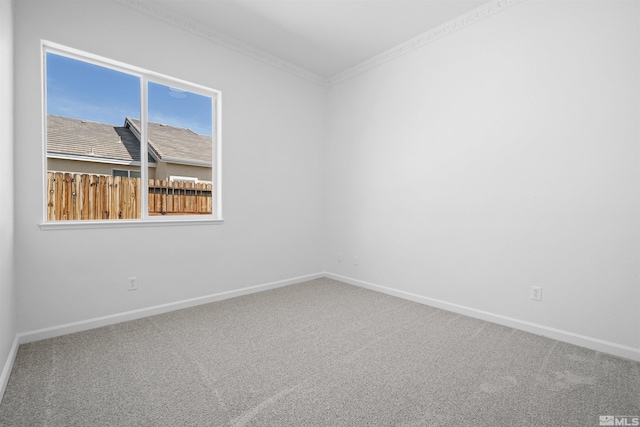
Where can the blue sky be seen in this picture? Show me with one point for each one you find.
(89, 92)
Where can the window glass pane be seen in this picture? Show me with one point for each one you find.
(180, 143)
(87, 109)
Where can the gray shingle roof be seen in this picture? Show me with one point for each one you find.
(67, 136)
(74, 137)
(177, 145)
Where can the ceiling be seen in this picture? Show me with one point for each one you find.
(325, 37)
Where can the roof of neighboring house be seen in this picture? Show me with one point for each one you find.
(176, 145)
(83, 138)
(75, 138)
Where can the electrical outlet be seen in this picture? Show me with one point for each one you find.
(536, 293)
(133, 283)
(355, 261)
(339, 257)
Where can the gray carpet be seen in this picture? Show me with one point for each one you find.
(321, 353)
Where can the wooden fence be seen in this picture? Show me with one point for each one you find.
(179, 198)
(98, 197)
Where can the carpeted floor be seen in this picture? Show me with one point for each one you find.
(321, 353)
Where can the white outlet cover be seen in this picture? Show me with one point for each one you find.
(536, 293)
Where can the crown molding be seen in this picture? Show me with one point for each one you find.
(423, 39)
(223, 39)
(489, 9)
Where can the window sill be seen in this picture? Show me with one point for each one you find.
(75, 225)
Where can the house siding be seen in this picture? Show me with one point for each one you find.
(165, 170)
(76, 166)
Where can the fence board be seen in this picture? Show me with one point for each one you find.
(77, 196)
(115, 198)
(128, 206)
(51, 191)
(59, 186)
(135, 197)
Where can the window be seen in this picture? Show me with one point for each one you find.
(125, 144)
(125, 173)
(173, 178)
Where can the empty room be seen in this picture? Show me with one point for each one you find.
(319, 213)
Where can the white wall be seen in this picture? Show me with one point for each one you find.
(272, 135)
(500, 157)
(7, 283)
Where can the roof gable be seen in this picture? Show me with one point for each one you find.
(176, 145)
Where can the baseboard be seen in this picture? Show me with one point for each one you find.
(557, 334)
(68, 328)
(8, 366)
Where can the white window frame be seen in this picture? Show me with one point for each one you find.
(145, 77)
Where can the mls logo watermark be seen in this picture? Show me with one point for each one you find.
(611, 420)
